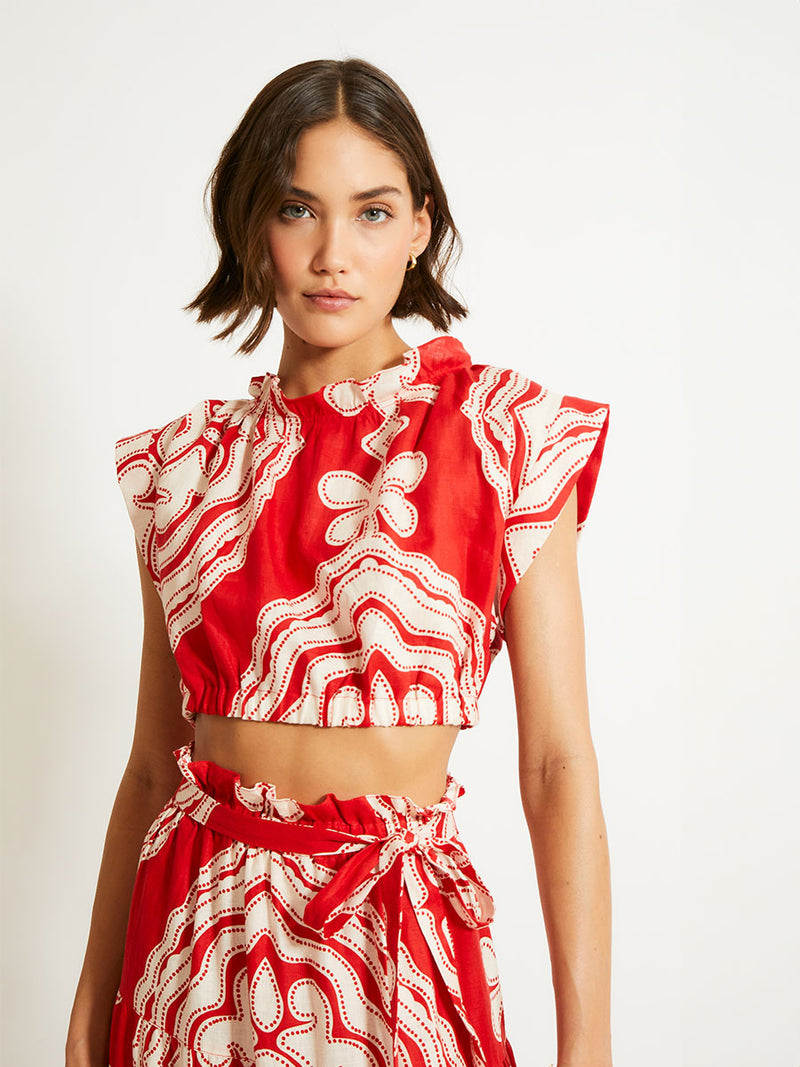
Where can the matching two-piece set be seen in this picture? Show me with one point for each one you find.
(342, 558)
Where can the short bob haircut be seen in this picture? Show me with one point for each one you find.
(255, 170)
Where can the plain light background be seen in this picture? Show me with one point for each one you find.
(625, 180)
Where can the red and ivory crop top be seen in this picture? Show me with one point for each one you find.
(344, 558)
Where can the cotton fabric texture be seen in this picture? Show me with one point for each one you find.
(342, 558)
(369, 951)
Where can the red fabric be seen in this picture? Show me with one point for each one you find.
(345, 558)
(342, 558)
(374, 949)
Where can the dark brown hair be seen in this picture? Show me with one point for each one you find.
(255, 170)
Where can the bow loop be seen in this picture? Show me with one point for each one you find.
(458, 880)
(454, 875)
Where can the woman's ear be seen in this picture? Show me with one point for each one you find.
(422, 227)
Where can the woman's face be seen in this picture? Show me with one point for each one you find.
(327, 234)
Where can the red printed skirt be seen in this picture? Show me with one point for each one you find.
(264, 932)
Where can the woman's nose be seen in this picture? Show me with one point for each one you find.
(333, 249)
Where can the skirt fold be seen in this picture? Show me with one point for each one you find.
(264, 932)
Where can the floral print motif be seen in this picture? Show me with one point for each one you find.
(314, 551)
(363, 501)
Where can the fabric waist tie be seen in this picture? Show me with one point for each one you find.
(380, 861)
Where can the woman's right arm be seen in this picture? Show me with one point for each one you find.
(150, 778)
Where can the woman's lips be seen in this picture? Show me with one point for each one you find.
(331, 303)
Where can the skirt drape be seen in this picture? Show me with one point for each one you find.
(264, 932)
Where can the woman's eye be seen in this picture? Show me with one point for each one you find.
(383, 210)
(288, 207)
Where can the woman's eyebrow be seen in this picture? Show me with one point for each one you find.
(369, 194)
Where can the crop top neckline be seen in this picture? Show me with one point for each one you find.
(345, 393)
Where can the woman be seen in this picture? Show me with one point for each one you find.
(349, 546)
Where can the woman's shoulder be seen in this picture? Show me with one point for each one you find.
(498, 379)
(503, 385)
(208, 418)
(490, 391)
(516, 412)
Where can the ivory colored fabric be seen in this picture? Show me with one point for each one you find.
(344, 558)
(374, 950)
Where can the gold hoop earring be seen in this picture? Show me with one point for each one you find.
(412, 261)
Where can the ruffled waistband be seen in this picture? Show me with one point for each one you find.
(370, 812)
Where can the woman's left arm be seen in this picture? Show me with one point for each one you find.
(559, 786)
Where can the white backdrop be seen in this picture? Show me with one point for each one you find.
(625, 179)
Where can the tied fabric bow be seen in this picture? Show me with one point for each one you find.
(444, 856)
(381, 862)
(358, 876)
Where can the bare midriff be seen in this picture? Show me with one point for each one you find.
(306, 762)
